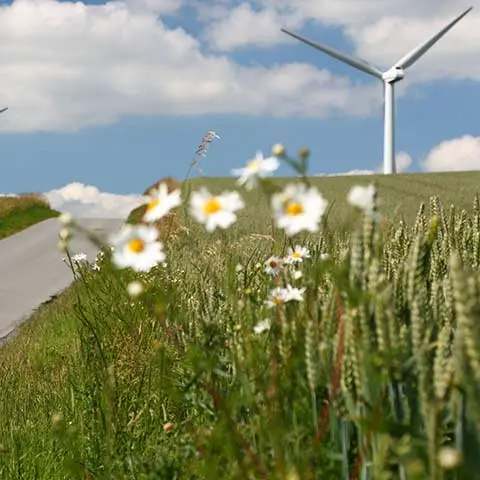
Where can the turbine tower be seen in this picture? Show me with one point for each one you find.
(389, 78)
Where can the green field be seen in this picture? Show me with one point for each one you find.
(23, 211)
(400, 195)
(373, 375)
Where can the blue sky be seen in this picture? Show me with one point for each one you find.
(127, 153)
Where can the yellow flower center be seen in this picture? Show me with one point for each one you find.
(153, 204)
(253, 164)
(277, 300)
(212, 206)
(136, 245)
(293, 209)
(296, 255)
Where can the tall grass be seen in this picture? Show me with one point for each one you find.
(9, 204)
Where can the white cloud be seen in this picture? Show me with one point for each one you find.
(158, 7)
(382, 31)
(349, 173)
(457, 154)
(65, 66)
(244, 26)
(403, 161)
(452, 57)
(86, 201)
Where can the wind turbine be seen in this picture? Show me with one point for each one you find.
(389, 78)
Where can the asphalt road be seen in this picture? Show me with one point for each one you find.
(32, 270)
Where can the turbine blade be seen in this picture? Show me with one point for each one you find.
(3, 109)
(343, 57)
(411, 57)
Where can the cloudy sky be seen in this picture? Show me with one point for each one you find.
(109, 97)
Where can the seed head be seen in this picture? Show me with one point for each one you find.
(57, 418)
(278, 150)
(65, 234)
(66, 219)
(304, 153)
(168, 427)
(134, 289)
(449, 457)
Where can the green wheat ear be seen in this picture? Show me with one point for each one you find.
(476, 213)
(467, 309)
(356, 259)
(443, 365)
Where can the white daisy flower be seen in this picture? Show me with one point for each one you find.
(324, 256)
(279, 295)
(297, 255)
(215, 210)
(276, 297)
(294, 293)
(362, 197)
(136, 246)
(256, 168)
(273, 265)
(262, 326)
(161, 202)
(298, 208)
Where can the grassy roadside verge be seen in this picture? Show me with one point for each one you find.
(55, 392)
(18, 213)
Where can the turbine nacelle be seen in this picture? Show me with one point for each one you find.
(395, 74)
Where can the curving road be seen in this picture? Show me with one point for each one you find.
(32, 270)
